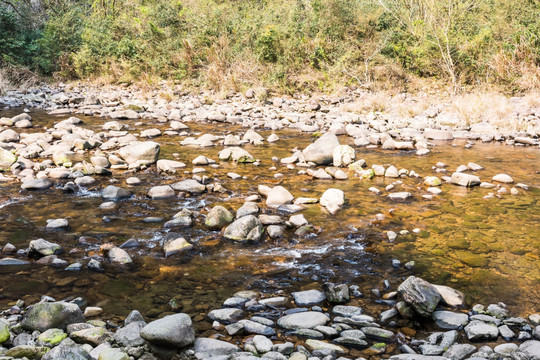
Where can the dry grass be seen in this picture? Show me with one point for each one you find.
(17, 78)
(368, 102)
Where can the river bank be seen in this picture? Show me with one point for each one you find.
(167, 205)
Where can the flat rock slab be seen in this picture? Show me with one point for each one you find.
(308, 297)
(450, 320)
(303, 320)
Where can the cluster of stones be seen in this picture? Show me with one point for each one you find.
(389, 130)
(308, 325)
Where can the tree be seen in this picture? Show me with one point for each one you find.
(437, 22)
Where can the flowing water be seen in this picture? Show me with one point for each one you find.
(488, 248)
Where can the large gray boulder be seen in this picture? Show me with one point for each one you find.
(321, 152)
(450, 320)
(173, 330)
(531, 348)
(479, 330)
(140, 153)
(420, 295)
(247, 228)
(59, 315)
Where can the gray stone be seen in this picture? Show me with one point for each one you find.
(336, 293)
(463, 179)
(115, 193)
(129, 335)
(332, 200)
(93, 336)
(173, 330)
(450, 320)
(161, 192)
(208, 347)
(420, 295)
(378, 333)
(348, 341)
(44, 316)
(36, 184)
(346, 310)
(189, 185)
(218, 217)
(308, 297)
(43, 247)
(244, 229)
(227, 315)
(140, 153)
(531, 349)
(321, 152)
(249, 208)
(303, 320)
(478, 330)
(262, 344)
(459, 351)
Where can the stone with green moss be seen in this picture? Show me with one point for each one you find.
(51, 337)
(30, 352)
(113, 354)
(4, 331)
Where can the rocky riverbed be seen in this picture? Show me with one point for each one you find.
(176, 204)
(324, 323)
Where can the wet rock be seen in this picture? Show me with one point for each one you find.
(119, 256)
(275, 231)
(463, 179)
(449, 296)
(503, 178)
(227, 315)
(303, 320)
(115, 193)
(26, 352)
(247, 228)
(4, 331)
(112, 354)
(478, 330)
(321, 152)
(531, 349)
(277, 196)
(249, 208)
(332, 200)
(161, 192)
(449, 320)
(400, 195)
(93, 336)
(173, 330)
(308, 297)
(459, 351)
(343, 155)
(336, 293)
(44, 316)
(36, 184)
(236, 154)
(169, 166)
(322, 345)
(51, 337)
(140, 153)
(378, 333)
(346, 310)
(420, 295)
(57, 224)
(129, 335)
(432, 181)
(189, 185)
(44, 248)
(207, 348)
(262, 344)
(7, 158)
(175, 246)
(218, 217)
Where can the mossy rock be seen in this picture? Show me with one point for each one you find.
(51, 337)
(4, 331)
(460, 244)
(472, 260)
(27, 351)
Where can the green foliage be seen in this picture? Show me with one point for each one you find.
(288, 44)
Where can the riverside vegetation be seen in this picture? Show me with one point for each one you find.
(288, 46)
